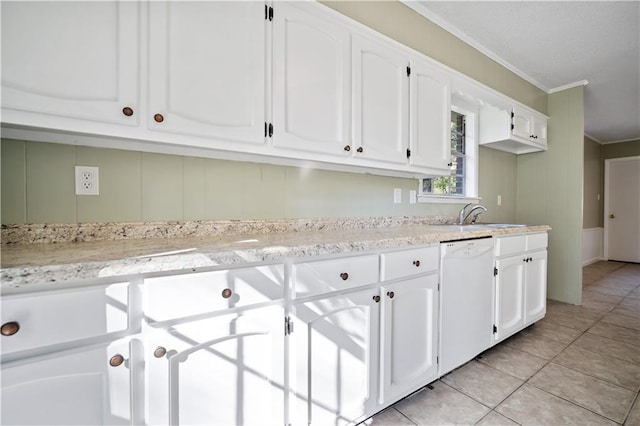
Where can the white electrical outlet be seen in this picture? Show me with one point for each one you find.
(499, 200)
(87, 182)
(397, 195)
(413, 195)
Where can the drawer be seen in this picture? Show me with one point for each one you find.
(537, 241)
(178, 296)
(56, 317)
(325, 276)
(406, 263)
(505, 246)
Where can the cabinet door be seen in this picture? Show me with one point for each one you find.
(334, 354)
(380, 101)
(521, 124)
(536, 287)
(220, 371)
(77, 60)
(509, 296)
(409, 336)
(78, 387)
(207, 69)
(539, 131)
(312, 75)
(430, 118)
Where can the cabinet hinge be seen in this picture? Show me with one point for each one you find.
(268, 13)
(512, 114)
(438, 286)
(408, 153)
(408, 71)
(288, 326)
(437, 360)
(266, 128)
(512, 126)
(495, 271)
(270, 129)
(495, 329)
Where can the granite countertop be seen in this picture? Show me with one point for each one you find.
(63, 261)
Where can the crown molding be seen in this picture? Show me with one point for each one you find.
(568, 86)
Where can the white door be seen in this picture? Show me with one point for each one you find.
(87, 386)
(207, 69)
(521, 124)
(536, 286)
(70, 59)
(380, 102)
(334, 354)
(221, 371)
(622, 209)
(312, 76)
(430, 118)
(509, 296)
(409, 336)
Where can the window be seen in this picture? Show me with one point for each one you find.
(461, 183)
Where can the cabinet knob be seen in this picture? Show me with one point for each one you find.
(344, 276)
(160, 352)
(347, 148)
(390, 294)
(10, 328)
(417, 263)
(360, 150)
(159, 118)
(128, 111)
(116, 360)
(612, 216)
(227, 293)
(376, 298)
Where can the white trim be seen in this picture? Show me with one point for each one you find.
(592, 245)
(568, 86)
(447, 199)
(621, 141)
(594, 138)
(424, 11)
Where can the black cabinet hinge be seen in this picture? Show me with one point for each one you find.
(408, 71)
(512, 126)
(268, 13)
(266, 129)
(512, 114)
(495, 329)
(288, 326)
(270, 130)
(408, 153)
(495, 271)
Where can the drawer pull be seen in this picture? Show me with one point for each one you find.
(116, 360)
(360, 149)
(347, 148)
(160, 352)
(159, 118)
(376, 298)
(344, 276)
(128, 111)
(10, 328)
(227, 293)
(417, 263)
(390, 294)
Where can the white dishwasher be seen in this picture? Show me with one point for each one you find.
(466, 301)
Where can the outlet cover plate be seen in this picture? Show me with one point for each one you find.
(87, 180)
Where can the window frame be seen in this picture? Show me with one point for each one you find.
(470, 111)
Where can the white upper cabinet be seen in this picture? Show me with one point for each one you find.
(70, 65)
(519, 130)
(380, 101)
(207, 69)
(312, 75)
(430, 117)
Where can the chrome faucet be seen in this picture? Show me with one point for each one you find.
(478, 209)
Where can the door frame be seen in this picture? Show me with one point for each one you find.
(607, 169)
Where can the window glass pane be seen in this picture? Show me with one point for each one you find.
(454, 183)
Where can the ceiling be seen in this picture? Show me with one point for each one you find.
(560, 44)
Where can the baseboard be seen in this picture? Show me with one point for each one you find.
(592, 245)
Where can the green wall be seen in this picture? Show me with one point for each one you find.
(38, 187)
(621, 149)
(593, 185)
(550, 188)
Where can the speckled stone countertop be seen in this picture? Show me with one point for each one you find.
(26, 263)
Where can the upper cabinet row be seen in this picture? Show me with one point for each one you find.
(300, 82)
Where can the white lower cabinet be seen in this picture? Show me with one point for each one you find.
(409, 337)
(521, 283)
(86, 386)
(220, 371)
(334, 355)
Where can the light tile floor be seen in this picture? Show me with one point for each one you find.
(579, 365)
